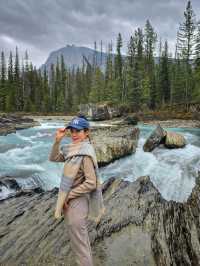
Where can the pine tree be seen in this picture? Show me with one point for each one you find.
(38, 92)
(158, 74)
(196, 92)
(63, 77)
(150, 38)
(119, 90)
(135, 69)
(32, 84)
(46, 100)
(96, 95)
(186, 42)
(164, 76)
(186, 34)
(52, 87)
(17, 84)
(10, 98)
(130, 68)
(177, 79)
(109, 75)
(57, 86)
(69, 100)
(3, 83)
(197, 46)
(26, 84)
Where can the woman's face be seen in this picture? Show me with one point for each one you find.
(78, 135)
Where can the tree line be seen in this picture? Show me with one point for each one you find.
(138, 79)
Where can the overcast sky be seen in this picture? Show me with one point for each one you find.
(47, 25)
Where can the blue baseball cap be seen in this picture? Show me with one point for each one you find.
(78, 123)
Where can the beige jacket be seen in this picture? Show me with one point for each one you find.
(85, 180)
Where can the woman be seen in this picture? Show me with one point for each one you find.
(80, 195)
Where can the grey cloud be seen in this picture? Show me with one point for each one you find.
(43, 26)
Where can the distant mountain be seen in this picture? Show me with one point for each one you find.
(73, 57)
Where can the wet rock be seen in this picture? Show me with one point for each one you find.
(138, 228)
(9, 123)
(9, 183)
(156, 137)
(174, 140)
(112, 143)
(161, 136)
(14, 189)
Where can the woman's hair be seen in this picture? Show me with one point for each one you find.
(85, 129)
(89, 137)
(82, 116)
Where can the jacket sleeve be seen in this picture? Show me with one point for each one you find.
(89, 183)
(56, 154)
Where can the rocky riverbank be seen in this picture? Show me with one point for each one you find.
(174, 123)
(19, 122)
(9, 123)
(139, 228)
(184, 123)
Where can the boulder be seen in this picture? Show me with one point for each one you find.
(161, 136)
(138, 228)
(156, 137)
(9, 123)
(114, 112)
(9, 183)
(112, 143)
(99, 112)
(174, 140)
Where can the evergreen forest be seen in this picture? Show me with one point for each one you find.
(140, 79)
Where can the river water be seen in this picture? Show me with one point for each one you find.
(24, 155)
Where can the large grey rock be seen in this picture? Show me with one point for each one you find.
(156, 137)
(114, 143)
(174, 140)
(99, 112)
(139, 228)
(161, 136)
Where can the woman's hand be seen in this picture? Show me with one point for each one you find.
(58, 214)
(60, 133)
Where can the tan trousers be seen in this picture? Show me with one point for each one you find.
(76, 220)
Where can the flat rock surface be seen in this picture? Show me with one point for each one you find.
(139, 228)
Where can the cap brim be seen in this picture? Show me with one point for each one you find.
(76, 127)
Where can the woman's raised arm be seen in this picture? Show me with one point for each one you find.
(56, 154)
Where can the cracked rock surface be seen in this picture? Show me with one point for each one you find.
(139, 228)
